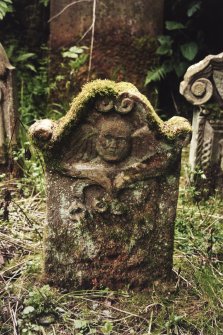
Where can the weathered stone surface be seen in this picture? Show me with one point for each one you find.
(112, 186)
(138, 17)
(8, 110)
(123, 45)
(202, 86)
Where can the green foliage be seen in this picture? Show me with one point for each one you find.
(189, 50)
(73, 52)
(107, 328)
(173, 25)
(194, 7)
(33, 93)
(165, 47)
(191, 304)
(33, 85)
(77, 57)
(39, 308)
(5, 7)
(40, 300)
(178, 48)
(32, 166)
(45, 3)
(22, 59)
(155, 74)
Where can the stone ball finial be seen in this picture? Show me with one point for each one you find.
(42, 131)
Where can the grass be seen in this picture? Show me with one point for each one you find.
(191, 304)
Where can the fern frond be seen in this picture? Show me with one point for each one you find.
(155, 74)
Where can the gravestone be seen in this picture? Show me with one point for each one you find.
(112, 174)
(8, 111)
(124, 41)
(202, 86)
(133, 16)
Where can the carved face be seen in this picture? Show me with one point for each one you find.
(114, 140)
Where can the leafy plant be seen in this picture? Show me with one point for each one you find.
(33, 92)
(39, 309)
(32, 166)
(107, 328)
(22, 59)
(178, 48)
(77, 57)
(5, 7)
(39, 300)
(45, 3)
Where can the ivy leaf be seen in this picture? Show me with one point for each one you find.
(164, 49)
(165, 39)
(76, 50)
(189, 50)
(70, 54)
(173, 25)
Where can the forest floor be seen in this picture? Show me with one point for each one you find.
(191, 304)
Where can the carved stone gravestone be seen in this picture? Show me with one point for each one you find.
(8, 111)
(203, 87)
(112, 185)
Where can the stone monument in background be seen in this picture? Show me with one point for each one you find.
(112, 174)
(8, 112)
(203, 87)
(123, 42)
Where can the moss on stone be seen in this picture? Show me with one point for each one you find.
(100, 88)
(91, 91)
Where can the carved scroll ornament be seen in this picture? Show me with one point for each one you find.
(203, 81)
(203, 87)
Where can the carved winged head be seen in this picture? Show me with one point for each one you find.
(114, 139)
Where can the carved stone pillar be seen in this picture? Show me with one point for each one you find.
(112, 186)
(202, 86)
(8, 110)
